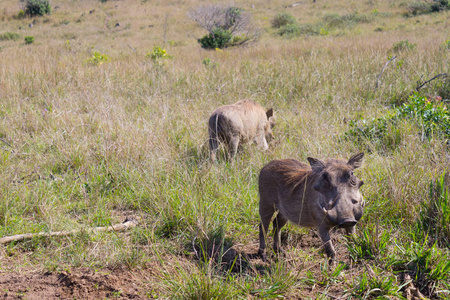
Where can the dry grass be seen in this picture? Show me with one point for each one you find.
(86, 145)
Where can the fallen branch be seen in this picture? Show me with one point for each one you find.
(294, 5)
(381, 73)
(128, 223)
(428, 81)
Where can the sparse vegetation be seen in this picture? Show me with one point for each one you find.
(84, 145)
(9, 36)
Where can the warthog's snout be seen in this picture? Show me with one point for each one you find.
(347, 223)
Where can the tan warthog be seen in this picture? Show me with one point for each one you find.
(239, 123)
(324, 195)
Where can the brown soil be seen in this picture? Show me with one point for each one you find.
(80, 283)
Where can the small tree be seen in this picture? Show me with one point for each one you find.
(227, 26)
(37, 7)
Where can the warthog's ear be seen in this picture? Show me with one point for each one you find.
(356, 160)
(269, 113)
(316, 164)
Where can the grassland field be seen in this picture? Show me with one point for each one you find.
(86, 142)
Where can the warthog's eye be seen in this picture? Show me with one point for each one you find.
(354, 201)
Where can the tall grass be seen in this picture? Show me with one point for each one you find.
(86, 144)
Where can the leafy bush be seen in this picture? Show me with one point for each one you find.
(98, 58)
(232, 17)
(425, 7)
(283, 19)
(29, 40)
(446, 45)
(439, 5)
(403, 45)
(158, 53)
(432, 117)
(418, 8)
(227, 26)
(37, 7)
(9, 36)
(218, 38)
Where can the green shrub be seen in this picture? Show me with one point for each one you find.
(37, 7)
(158, 53)
(432, 117)
(446, 45)
(227, 26)
(98, 58)
(232, 16)
(21, 14)
(9, 36)
(283, 19)
(29, 40)
(403, 45)
(418, 8)
(218, 38)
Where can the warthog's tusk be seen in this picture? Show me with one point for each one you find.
(323, 208)
(363, 202)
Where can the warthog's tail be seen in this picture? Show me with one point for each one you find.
(216, 133)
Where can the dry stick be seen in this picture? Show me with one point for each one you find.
(381, 73)
(118, 227)
(428, 81)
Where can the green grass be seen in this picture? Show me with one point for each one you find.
(88, 139)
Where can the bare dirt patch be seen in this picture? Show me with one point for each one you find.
(80, 283)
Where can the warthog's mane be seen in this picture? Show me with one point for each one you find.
(297, 175)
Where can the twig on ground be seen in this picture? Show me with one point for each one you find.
(134, 50)
(381, 73)
(128, 223)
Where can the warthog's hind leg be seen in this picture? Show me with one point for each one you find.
(233, 144)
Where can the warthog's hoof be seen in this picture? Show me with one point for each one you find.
(262, 254)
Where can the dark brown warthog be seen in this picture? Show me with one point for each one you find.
(322, 196)
(240, 123)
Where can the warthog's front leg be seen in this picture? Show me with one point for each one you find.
(324, 234)
(350, 230)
